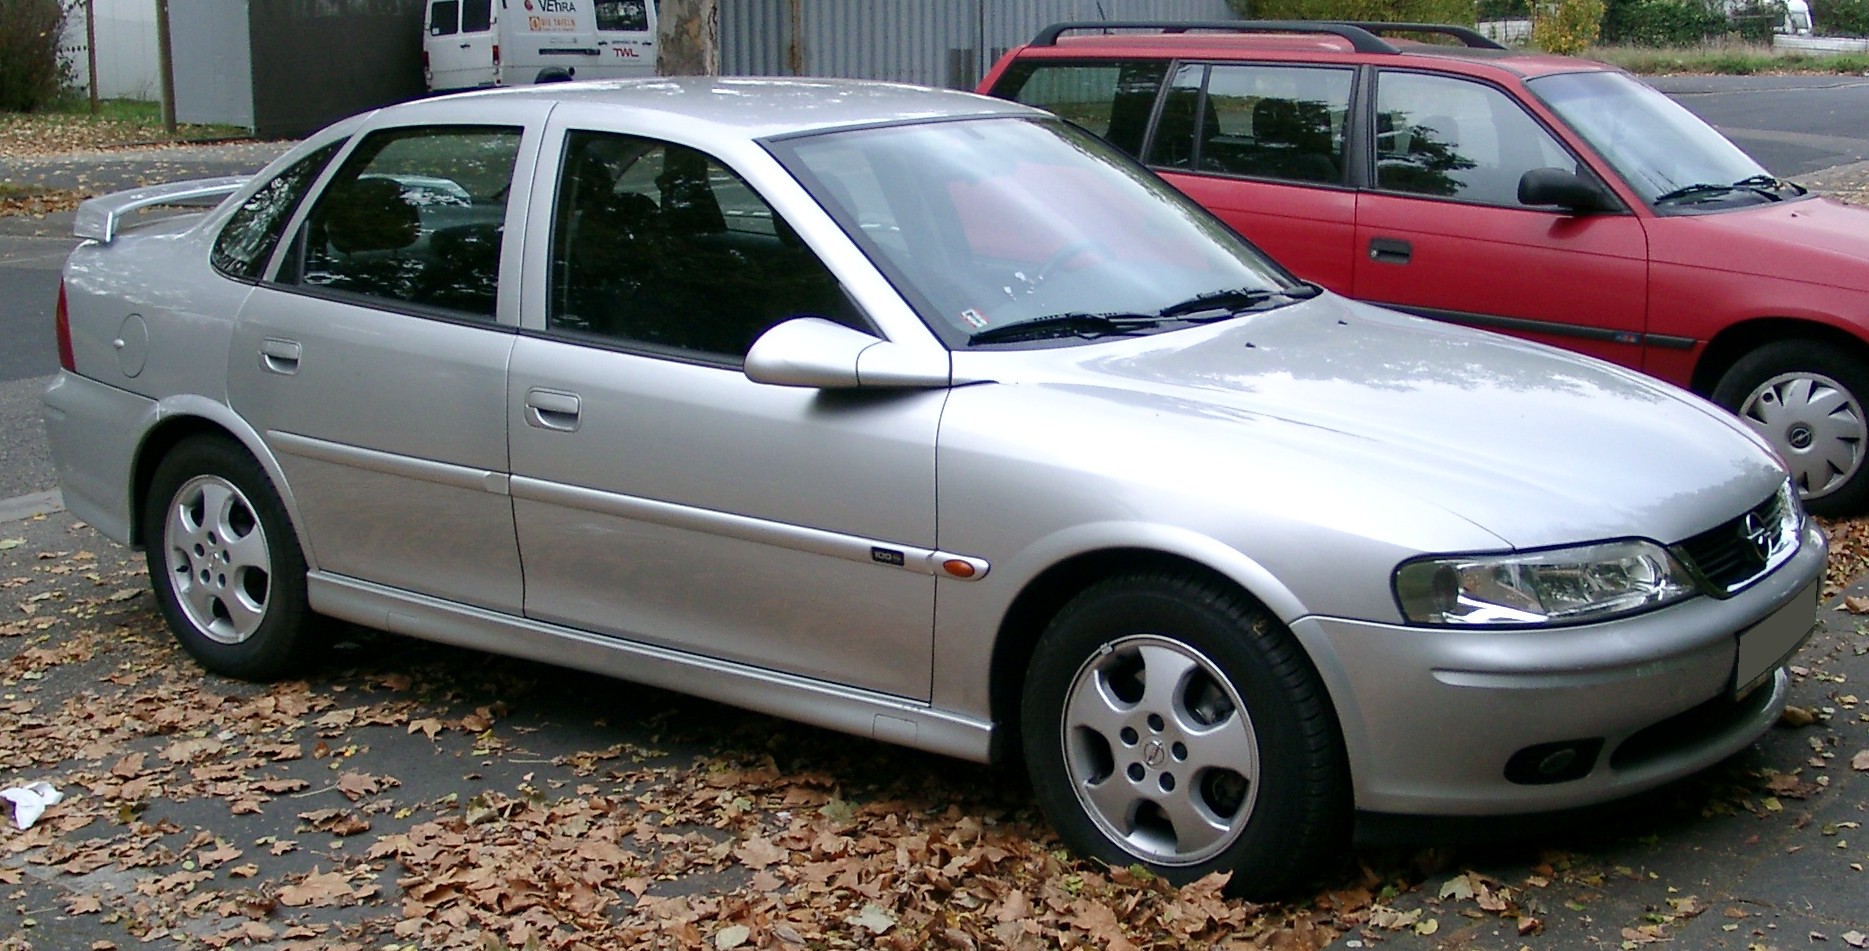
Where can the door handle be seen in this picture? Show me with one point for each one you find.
(552, 409)
(466, 45)
(280, 356)
(1390, 250)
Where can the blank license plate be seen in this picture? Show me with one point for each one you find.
(1764, 645)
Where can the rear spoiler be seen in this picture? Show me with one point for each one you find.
(99, 218)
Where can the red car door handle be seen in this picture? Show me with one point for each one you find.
(1390, 250)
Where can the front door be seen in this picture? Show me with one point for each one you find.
(374, 364)
(1442, 233)
(660, 495)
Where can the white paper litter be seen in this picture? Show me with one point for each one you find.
(30, 801)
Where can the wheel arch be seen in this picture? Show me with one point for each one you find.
(1047, 592)
(185, 417)
(1729, 345)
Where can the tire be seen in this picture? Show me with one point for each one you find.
(226, 566)
(1807, 399)
(1174, 723)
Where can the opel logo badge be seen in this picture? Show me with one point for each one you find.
(1753, 530)
(1154, 754)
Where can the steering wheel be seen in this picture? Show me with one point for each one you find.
(1065, 255)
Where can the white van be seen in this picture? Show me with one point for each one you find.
(473, 43)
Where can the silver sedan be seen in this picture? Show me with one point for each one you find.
(929, 418)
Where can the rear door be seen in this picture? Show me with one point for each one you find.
(460, 44)
(373, 362)
(1441, 232)
(1263, 146)
(625, 38)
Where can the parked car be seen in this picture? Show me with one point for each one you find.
(1552, 198)
(931, 418)
(468, 44)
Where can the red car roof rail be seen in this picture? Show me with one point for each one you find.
(1362, 35)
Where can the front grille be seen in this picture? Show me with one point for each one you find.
(1737, 552)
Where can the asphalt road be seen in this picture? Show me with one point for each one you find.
(1794, 125)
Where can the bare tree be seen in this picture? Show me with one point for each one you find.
(688, 38)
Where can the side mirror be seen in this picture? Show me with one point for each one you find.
(1566, 190)
(814, 352)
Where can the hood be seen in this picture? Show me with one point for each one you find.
(1817, 240)
(1536, 446)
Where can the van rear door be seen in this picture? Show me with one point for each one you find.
(625, 38)
(460, 44)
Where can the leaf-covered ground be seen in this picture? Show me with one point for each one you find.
(412, 796)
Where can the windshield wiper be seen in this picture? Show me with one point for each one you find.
(1764, 186)
(1237, 299)
(1072, 324)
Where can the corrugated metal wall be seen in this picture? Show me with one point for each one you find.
(933, 42)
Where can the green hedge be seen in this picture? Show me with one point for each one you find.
(1841, 17)
(1660, 22)
(1386, 11)
(30, 76)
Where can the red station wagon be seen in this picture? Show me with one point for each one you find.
(1551, 198)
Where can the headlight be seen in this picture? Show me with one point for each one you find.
(1559, 586)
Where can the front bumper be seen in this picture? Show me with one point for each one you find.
(1432, 717)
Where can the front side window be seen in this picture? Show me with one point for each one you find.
(414, 216)
(251, 233)
(659, 245)
(623, 16)
(1016, 230)
(1112, 100)
(1279, 122)
(1452, 138)
(444, 17)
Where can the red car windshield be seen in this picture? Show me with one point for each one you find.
(1666, 153)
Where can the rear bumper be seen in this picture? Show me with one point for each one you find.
(1432, 718)
(94, 431)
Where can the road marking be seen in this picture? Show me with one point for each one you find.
(26, 506)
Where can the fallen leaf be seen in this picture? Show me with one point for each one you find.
(1860, 761)
(874, 919)
(1796, 717)
(732, 936)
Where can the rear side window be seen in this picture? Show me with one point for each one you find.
(1280, 122)
(414, 216)
(1454, 138)
(1112, 100)
(626, 16)
(247, 241)
(477, 16)
(444, 17)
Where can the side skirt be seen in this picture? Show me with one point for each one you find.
(863, 713)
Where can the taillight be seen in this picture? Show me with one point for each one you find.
(496, 54)
(62, 323)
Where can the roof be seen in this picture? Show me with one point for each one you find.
(760, 107)
(1288, 45)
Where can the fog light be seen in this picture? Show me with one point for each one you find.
(1558, 762)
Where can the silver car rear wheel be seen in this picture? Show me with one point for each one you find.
(217, 557)
(225, 563)
(1160, 750)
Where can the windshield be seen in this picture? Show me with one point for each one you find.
(1662, 150)
(991, 224)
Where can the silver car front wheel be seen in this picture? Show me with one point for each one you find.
(1169, 721)
(1160, 750)
(224, 561)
